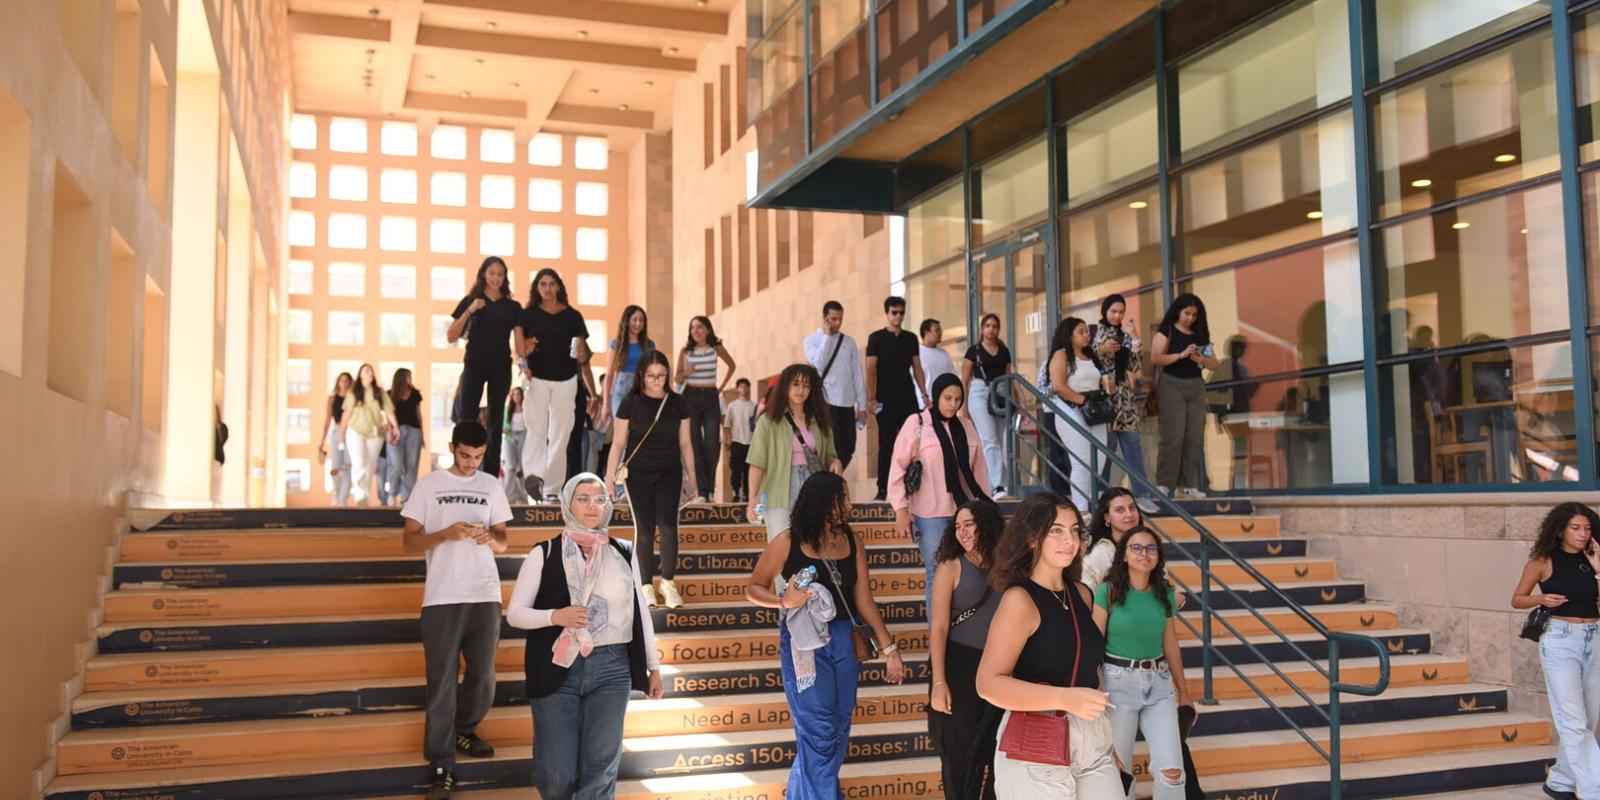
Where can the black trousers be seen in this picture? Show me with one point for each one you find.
(705, 435)
(844, 431)
(473, 379)
(893, 417)
(738, 468)
(956, 735)
(654, 499)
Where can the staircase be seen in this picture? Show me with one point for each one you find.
(276, 654)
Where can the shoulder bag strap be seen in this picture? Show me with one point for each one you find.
(811, 453)
(988, 591)
(629, 459)
(837, 343)
(838, 586)
(1077, 632)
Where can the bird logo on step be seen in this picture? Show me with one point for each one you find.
(1508, 738)
(1223, 508)
(1428, 676)
(1274, 549)
(1396, 645)
(1468, 704)
(1329, 595)
(1301, 572)
(1366, 622)
(1247, 526)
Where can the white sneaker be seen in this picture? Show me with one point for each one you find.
(669, 594)
(1001, 494)
(1146, 505)
(649, 595)
(1193, 494)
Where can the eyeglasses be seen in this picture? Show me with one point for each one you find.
(1144, 549)
(655, 376)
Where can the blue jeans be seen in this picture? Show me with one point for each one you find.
(1146, 700)
(929, 532)
(1129, 445)
(620, 389)
(577, 729)
(403, 458)
(1571, 660)
(822, 713)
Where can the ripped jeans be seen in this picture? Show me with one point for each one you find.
(1146, 700)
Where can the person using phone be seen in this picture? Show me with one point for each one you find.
(1565, 563)
(1181, 348)
(457, 517)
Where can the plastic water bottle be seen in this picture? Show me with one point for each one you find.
(804, 577)
(761, 508)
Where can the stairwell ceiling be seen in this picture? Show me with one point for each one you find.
(583, 66)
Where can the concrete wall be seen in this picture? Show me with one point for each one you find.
(1449, 562)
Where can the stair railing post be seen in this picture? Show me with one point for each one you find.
(1334, 788)
(1208, 697)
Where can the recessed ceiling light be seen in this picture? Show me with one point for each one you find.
(583, 34)
(477, 61)
(672, 51)
(1524, 231)
(594, 91)
(1138, 204)
(429, 76)
(1313, 215)
(1504, 158)
(700, 3)
(466, 95)
(1421, 183)
(623, 107)
(649, 83)
(516, 84)
(1461, 226)
(491, 25)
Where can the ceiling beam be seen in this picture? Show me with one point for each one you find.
(644, 59)
(678, 21)
(339, 27)
(478, 106)
(402, 47)
(601, 117)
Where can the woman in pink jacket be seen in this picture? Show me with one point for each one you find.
(953, 472)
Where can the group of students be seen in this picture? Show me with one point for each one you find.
(372, 438)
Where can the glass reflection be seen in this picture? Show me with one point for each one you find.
(1293, 433)
(1111, 146)
(1114, 246)
(1013, 192)
(934, 228)
(1413, 33)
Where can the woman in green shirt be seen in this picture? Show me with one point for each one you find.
(1143, 670)
(792, 440)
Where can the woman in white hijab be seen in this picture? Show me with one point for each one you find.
(590, 642)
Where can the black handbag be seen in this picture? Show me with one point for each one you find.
(1097, 408)
(913, 476)
(1533, 627)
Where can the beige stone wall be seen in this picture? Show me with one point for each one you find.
(1450, 563)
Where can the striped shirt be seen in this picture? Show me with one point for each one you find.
(702, 367)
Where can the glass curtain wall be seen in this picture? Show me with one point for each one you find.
(1250, 200)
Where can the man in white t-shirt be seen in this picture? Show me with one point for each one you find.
(740, 422)
(458, 518)
(935, 361)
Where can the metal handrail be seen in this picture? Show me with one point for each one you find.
(1008, 387)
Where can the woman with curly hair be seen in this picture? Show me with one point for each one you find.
(815, 644)
(1143, 669)
(963, 604)
(1565, 563)
(1043, 656)
(792, 441)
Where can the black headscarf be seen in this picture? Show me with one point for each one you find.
(953, 444)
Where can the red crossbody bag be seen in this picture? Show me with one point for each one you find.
(1043, 737)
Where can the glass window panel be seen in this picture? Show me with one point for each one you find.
(497, 146)
(939, 293)
(398, 186)
(591, 244)
(347, 135)
(1496, 414)
(398, 234)
(397, 330)
(447, 236)
(779, 59)
(347, 327)
(544, 241)
(497, 191)
(592, 289)
(1491, 269)
(1290, 189)
(448, 189)
(302, 277)
(302, 229)
(296, 475)
(448, 141)
(1111, 146)
(347, 279)
(832, 20)
(298, 326)
(398, 138)
(1586, 43)
(1591, 235)
(1013, 191)
(544, 194)
(443, 378)
(497, 239)
(589, 199)
(341, 365)
(1292, 433)
(1412, 33)
(297, 372)
(447, 283)
(1474, 128)
(1144, 308)
(398, 281)
(590, 152)
(347, 182)
(441, 330)
(544, 150)
(303, 132)
(297, 426)
(347, 231)
(1297, 62)
(934, 228)
(302, 180)
(1114, 246)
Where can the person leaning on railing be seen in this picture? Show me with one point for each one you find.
(1565, 562)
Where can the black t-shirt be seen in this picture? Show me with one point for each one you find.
(552, 360)
(988, 367)
(406, 411)
(658, 452)
(489, 331)
(1177, 342)
(894, 352)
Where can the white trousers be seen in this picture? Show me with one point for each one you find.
(1078, 445)
(991, 429)
(548, 410)
(363, 463)
(1092, 776)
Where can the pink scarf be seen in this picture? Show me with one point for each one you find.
(580, 556)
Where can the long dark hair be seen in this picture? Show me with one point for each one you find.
(358, 391)
(621, 342)
(816, 407)
(1202, 328)
(1018, 549)
(711, 333)
(561, 287)
(1062, 340)
(1118, 583)
(1555, 523)
(645, 360)
(400, 388)
(986, 515)
(515, 399)
(818, 509)
(1099, 527)
(482, 283)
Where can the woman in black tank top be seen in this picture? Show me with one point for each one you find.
(333, 444)
(1565, 562)
(1043, 654)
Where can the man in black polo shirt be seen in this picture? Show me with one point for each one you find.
(893, 358)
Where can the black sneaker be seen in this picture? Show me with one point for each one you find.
(443, 782)
(1557, 794)
(534, 487)
(470, 744)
